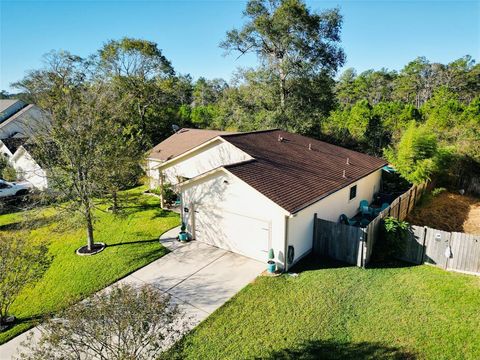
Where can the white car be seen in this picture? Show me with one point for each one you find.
(8, 189)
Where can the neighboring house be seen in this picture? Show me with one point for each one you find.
(249, 192)
(19, 119)
(27, 168)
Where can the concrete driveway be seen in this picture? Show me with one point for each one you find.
(197, 274)
(199, 277)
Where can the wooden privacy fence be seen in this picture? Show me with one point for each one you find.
(447, 250)
(338, 241)
(352, 244)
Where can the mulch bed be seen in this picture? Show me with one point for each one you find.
(449, 212)
(97, 247)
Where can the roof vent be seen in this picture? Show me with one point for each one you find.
(280, 138)
(348, 161)
(344, 174)
(309, 146)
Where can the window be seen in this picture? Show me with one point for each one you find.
(353, 192)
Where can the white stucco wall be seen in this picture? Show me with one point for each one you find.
(152, 173)
(222, 198)
(206, 158)
(300, 226)
(28, 170)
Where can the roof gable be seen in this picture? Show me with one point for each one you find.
(181, 142)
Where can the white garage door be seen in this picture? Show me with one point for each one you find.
(234, 232)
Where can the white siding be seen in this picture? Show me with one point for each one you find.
(28, 170)
(300, 226)
(26, 123)
(152, 173)
(235, 197)
(209, 157)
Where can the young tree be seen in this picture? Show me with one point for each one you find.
(123, 323)
(88, 147)
(416, 156)
(290, 41)
(21, 264)
(73, 151)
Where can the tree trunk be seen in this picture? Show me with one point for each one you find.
(115, 201)
(282, 89)
(88, 218)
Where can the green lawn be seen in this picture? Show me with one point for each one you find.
(132, 242)
(417, 312)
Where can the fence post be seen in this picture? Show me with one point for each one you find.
(364, 247)
(399, 207)
(450, 246)
(424, 246)
(314, 237)
(414, 196)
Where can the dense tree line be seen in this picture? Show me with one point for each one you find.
(296, 86)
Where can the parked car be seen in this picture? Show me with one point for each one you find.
(8, 189)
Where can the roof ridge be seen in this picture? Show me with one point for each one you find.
(251, 132)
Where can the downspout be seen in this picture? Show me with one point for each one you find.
(285, 256)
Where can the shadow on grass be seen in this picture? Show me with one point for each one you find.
(134, 242)
(30, 223)
(315, 262)
(332, 350)
(389, 264)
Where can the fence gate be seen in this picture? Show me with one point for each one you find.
(437, 242)
(338, 241)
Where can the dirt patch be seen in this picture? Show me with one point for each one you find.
(449, 212)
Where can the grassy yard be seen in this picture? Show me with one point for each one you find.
(336, 312)
(132, 242)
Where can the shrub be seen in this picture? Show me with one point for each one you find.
(395, 234)
(123, 323)
(169, 196)
(438, 191)
(7, 171)
(21, 264)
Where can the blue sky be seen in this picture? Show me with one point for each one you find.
(375, 33)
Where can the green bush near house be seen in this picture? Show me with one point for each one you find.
(7, 172)
(132, 242)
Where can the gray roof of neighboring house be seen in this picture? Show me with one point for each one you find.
(9, 108)
(6, 103)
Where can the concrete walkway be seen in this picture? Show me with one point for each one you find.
(199, 277)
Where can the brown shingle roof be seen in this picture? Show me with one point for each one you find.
(293, 176)
(182, 141)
